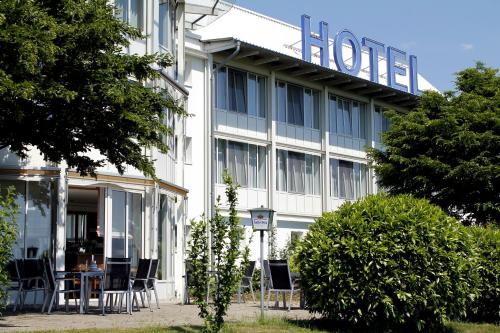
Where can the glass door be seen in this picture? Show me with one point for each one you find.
(166, 237)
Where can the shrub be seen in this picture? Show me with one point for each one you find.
(387, 263)
(8, 229)
(486, 307)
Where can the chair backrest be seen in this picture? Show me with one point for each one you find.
(32, 268)
(152, 272)
(13, 271)
(280, 274)
(143, 269)
(117, 274)
(250, 269)
(49, 273)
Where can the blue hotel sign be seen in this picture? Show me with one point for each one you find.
(375, 48)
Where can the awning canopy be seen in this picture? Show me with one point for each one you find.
(307, 71)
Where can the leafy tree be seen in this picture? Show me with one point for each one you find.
(448, 149)
(216, 276)
(8, 234)
(66, 87)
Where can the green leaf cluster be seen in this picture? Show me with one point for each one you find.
(448, 148)
(218, 259)
(8, 235)
(486, 306)
(388, 263)
(67, 87)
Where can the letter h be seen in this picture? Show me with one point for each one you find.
(309, 40)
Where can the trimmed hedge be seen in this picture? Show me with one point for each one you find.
(486, 307)
(388, 263)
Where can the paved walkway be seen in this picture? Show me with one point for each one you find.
(168, 315)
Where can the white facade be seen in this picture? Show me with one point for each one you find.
(292, 134)
(312, 127)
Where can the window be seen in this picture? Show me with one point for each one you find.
(347, 117)
(297, 105)
(246, 163)
(170, 140)
(166, 26)
(166, 237)
(298, 173)
(241, 92)
(348, 180)
(131, 11)
(35, 218)
(188, 150)
(381, 123)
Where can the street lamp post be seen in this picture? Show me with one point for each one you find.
(262, 220)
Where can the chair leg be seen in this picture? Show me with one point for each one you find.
(52, 301)
(142, 299)
(253, 294)
(148, 296)
(156, 296)
(120, 304)
(290, 304)
(268, 298)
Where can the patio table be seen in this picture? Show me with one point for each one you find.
(85, 288)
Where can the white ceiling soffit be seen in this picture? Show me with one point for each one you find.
(199, 13)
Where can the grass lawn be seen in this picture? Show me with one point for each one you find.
(276, 326)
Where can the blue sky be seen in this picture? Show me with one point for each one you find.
(445, 35)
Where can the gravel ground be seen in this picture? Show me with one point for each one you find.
(167, 315)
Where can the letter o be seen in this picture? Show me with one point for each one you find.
(356, 52)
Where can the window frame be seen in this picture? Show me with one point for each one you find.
(357, 179)
(314, 112)
(127, 10)
(339, 120)
(315, 184)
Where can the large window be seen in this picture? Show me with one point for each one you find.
(166, 237)
(246, 163)
(348, 180)
(35, 218)
(240, 91)
(297, 172)
(381, 123)
(347, 117)
(296, 105)
(131, 11)
(126, 225)
(166, 26)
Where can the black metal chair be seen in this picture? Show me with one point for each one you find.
(31, 278)
(140, 283)
(246, 281)
(117, 282)
(152, 280)
(280, 280)
(187, 281)
(15, 282)
(54, 286)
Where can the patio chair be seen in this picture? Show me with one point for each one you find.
(54, 282)
(140, 283)
(31, 278)
(280, 280)
(117, 282)
(246, 281)
(187, 281)
(15, 283)
(152, 280)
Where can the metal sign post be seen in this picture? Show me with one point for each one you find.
(262, 220)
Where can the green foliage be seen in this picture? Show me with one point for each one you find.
(63, 75)
(8, 234)
(289, 251)
(217, 278)
(387, 263)
(272, 243)
(448, 149)
(486, 307)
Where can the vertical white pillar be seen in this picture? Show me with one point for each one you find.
(60, 232)
(371, 136)
(326, 152)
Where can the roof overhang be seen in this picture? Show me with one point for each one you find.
(308, 71)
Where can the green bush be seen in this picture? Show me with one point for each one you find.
(486, 307)
(8, 233)
(387, 263)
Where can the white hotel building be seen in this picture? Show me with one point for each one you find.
(291, 132)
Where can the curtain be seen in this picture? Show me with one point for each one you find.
(355, 119)
(252, 159)
(308, 108)
(309, 184)
(346, 180)
(262, 167)
(238, 162)
(237, 90)
(281, 101)
(296, 172)
(134, 217)
(378, 123)
(252, 95)
(221, 160)
(340, 116)
(122, 10)
(347, 118)
(363, 121)
(334, 178)
(281, 181)
(364, 180)
(332, 106)
(295, 96)
(163, 26)
(262, 96)
(315, 109)
(316, 175)
(357, 181)
(136, 13)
